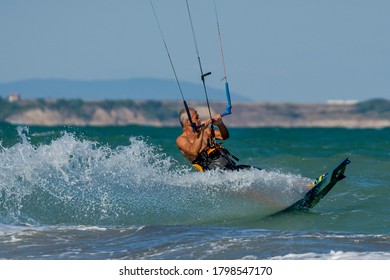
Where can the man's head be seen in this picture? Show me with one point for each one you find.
(183, 117)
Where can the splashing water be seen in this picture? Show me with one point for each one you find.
(77, 181)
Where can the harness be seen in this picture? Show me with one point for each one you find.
(213, 158)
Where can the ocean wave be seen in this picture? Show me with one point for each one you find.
(74, 181)
(336, 255)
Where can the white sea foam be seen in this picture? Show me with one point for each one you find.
(77, 181)
(336, 255)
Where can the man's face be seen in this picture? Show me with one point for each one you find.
(195, 117)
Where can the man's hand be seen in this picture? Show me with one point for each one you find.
(217, 119)
(205, 124)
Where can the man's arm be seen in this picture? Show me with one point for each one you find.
(223, 132)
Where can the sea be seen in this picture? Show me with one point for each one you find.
(126, 193)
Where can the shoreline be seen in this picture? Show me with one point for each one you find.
(369, 114)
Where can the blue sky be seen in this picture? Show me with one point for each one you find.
(275, 50)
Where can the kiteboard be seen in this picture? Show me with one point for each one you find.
(321, 187)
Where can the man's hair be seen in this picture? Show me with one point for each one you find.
(183, 115)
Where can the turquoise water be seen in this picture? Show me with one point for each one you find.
(127, 193)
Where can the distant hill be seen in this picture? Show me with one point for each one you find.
(373, 113)
(135, 89)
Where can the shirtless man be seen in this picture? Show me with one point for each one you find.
(199, 147)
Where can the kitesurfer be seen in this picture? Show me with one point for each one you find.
(199, 147)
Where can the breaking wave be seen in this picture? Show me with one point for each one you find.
(73, 181)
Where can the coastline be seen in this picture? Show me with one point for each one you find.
(368, 114)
